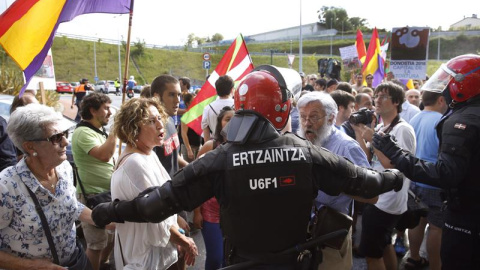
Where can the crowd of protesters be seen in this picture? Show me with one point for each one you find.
(159, 145)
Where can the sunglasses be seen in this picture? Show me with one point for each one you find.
(55, 138)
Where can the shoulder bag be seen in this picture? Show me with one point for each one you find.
(415, 210)
(327, 220)
(92, 200)
(78, 260)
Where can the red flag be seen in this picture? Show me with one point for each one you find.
(360, 44)
(236, 63)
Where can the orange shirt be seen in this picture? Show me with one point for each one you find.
(80, 88)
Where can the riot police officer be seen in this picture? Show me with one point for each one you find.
(264, 182)
(459, 155)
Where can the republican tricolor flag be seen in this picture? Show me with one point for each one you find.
(374, 61)
(27, 27)
(235, 63)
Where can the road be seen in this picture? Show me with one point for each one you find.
(66, 101)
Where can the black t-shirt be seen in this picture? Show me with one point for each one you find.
(8, 153)
(308, 87)
(193, 138)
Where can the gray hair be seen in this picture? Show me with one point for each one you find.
(30, 123)
(325, 99)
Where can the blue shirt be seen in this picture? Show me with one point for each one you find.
(424, 125)
(341, 144)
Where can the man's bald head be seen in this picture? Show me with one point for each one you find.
(413, 97)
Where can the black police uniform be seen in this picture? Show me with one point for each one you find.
(265, 184)
(456, 171)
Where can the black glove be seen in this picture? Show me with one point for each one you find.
(370, 183)
(387, 145)
(392, 179)
(104, 214)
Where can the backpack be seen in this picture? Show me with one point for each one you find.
(333, 69)
(322, 66)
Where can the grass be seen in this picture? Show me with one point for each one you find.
(74, 59)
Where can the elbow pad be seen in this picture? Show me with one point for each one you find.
(156, 204)
(369, 183)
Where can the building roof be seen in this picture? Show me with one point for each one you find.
(467, 22)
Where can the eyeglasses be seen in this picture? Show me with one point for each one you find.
(311, 119)
(382, 97)
(153, 120)
(312, 79)
(55, 138)
(369, 78)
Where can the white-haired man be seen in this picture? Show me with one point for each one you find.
(318, 112)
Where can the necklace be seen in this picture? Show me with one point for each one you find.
(44, 181)
(47, 183)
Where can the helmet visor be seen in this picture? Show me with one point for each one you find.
(439, 80)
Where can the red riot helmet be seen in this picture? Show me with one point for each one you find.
(461, 75)
(266, 92)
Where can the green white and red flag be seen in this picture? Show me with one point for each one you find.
(236, 63)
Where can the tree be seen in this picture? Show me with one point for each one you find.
(337, 18)
(217, 38)
(358, 23)
(190, 39)
(138, 50)
(200, 40)
(11, 77)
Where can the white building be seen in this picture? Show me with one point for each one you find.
(468, 23)
(308, 30)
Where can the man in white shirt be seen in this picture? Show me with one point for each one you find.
(408, 110)
(380, 219)
(224, 86)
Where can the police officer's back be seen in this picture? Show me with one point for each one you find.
(265, 182)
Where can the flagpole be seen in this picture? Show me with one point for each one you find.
(127, 63)
(300, 62)
(127, 52)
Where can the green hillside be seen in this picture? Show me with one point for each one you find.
(74, 59)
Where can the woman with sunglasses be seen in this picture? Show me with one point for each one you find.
(41, 134)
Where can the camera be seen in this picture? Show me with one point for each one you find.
(362, 116)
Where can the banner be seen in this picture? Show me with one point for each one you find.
(409, 52)
(349, 57)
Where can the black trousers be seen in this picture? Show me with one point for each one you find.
(460, 241)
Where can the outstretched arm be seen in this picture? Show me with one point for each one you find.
(447, 172)
(335, 174)
(190, 187)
